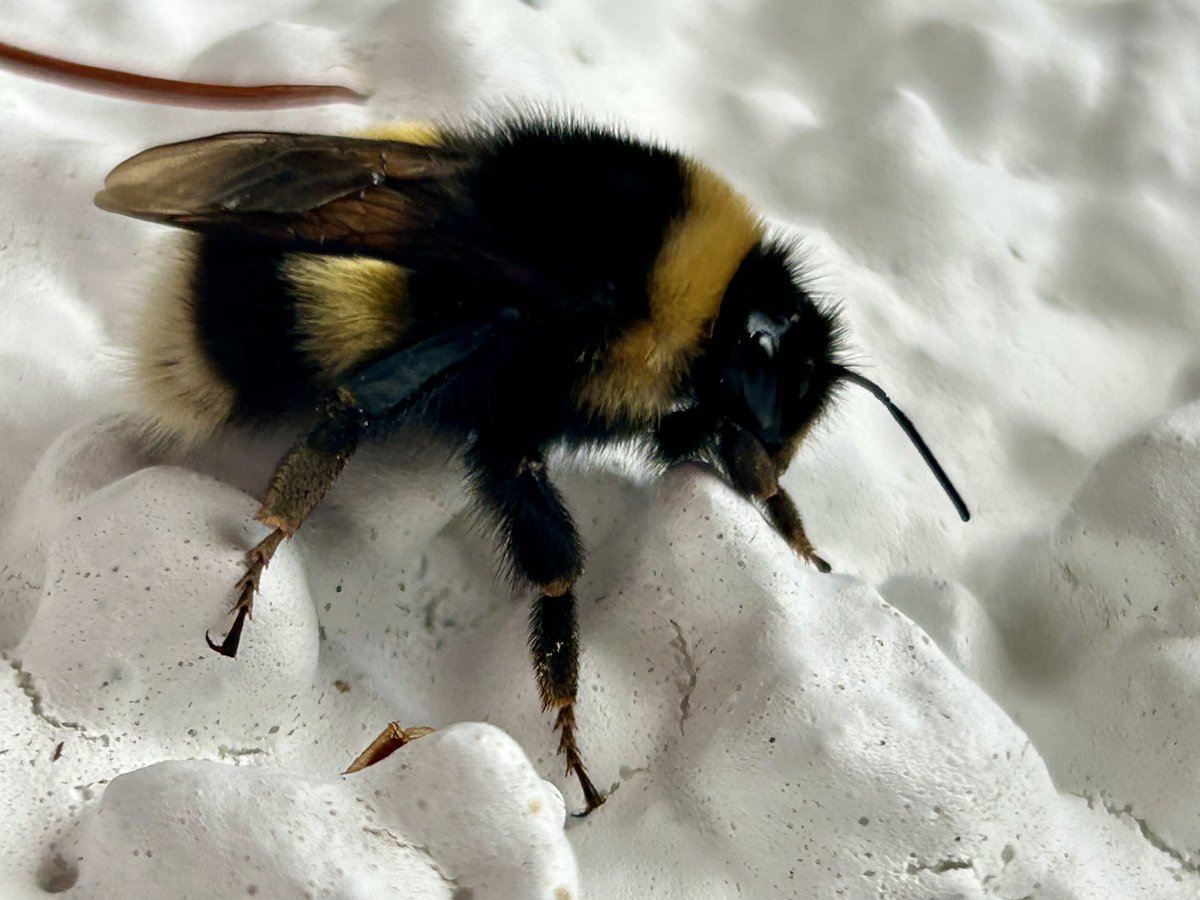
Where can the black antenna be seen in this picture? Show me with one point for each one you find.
(911, 430)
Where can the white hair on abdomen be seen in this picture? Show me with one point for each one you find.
(182, 396)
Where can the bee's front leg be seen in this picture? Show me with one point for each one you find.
(686, 434)
(755, 474)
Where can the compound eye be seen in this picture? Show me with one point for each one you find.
(751, 380)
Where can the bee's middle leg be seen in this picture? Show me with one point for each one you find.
(300, 481)
(543, 548)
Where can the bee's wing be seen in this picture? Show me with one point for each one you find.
(295, 190)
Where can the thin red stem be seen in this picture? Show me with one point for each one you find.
(131, 86)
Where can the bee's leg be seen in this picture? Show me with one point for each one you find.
(299, 483)
(554, 646)
(782, 512)
(754, 474)
(543, 548)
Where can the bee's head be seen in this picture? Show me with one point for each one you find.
(777, 351)
(778, 360)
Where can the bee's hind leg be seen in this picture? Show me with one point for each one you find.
(544, 549)
(256, 559)
(299, 483)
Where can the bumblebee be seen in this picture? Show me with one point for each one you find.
(516, 286)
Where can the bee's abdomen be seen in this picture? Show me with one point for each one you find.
(254, 335)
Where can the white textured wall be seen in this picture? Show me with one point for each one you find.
(1005, 198)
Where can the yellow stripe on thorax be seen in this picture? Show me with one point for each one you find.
(423, 134)
(642, 369)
